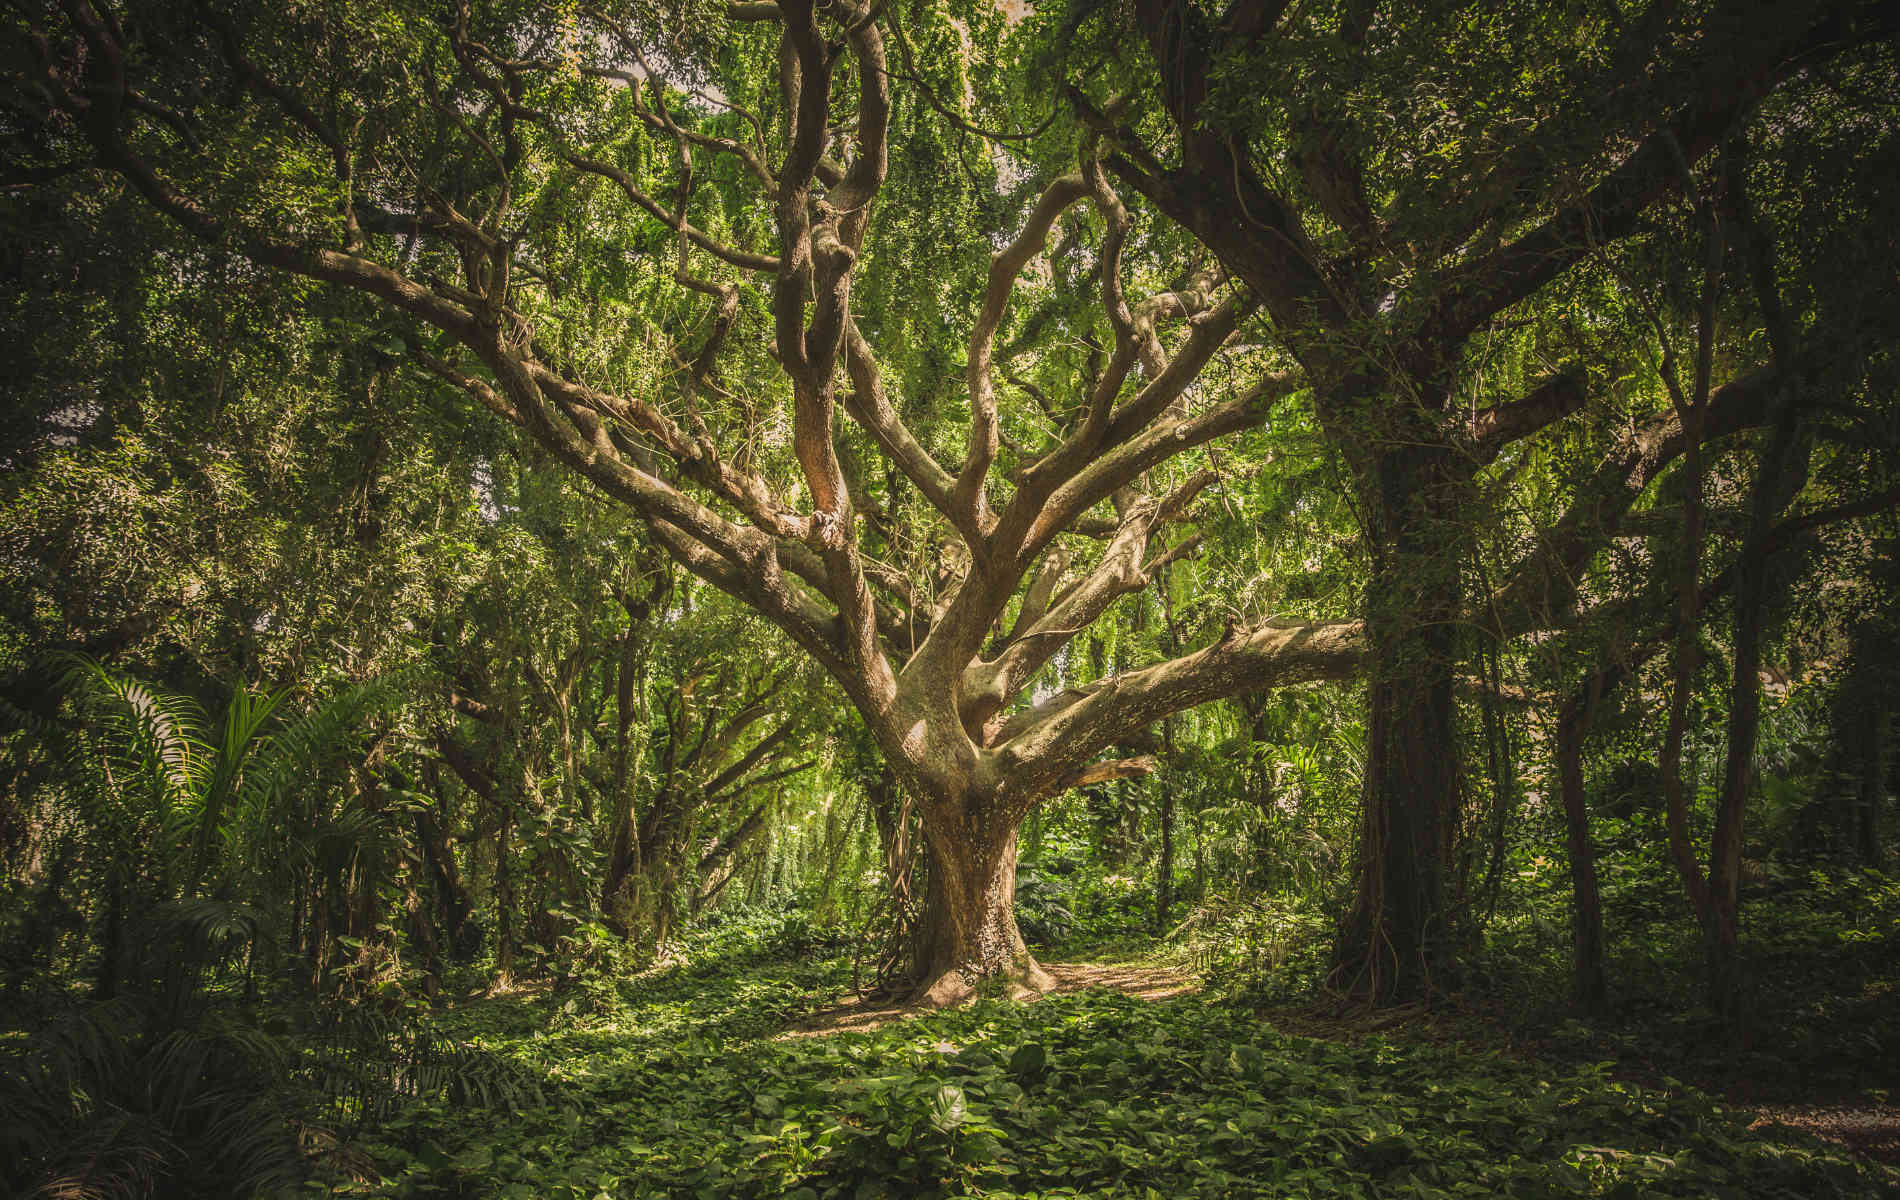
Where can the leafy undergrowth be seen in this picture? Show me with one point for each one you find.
(679, 1089)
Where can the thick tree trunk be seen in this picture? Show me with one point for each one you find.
(1398, 943)
(967, 933)
(623, 861)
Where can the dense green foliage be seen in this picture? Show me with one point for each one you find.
(543, 544)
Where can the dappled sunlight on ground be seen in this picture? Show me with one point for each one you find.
(1871, 1131)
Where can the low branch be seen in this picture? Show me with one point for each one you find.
(1103, 772)
(1048, 743)
(1551, 401)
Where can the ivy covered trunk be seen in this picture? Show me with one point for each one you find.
(967, 932)
(1397, 943)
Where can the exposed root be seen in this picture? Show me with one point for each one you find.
(1140, 981)
(1023, 981)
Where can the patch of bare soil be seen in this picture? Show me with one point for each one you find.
(1871, 1131)
(1142, 982)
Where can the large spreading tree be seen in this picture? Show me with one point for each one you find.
(931, 331)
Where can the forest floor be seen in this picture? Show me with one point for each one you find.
(743, 1070)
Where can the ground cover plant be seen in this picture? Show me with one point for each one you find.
(687, 1088)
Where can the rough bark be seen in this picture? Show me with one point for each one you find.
(967, 932)
(1397, 943)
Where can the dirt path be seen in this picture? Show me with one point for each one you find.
(1871, 1131)
(1142, 982)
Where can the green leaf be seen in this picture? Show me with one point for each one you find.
(1029, 1060)
(948, 1108)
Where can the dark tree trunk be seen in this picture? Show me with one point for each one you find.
(1586, 910)
(452, 897)
(642, 868)
(1871, 786)
(105, 981)
(967, 932)
(41, 934)
(1783, 470)
(623, 859)
(1399, 941)
(422, 933)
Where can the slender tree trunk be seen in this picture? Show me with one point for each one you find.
(1586, 910)
(504, 897)
(1713, 894)
(1783, 470)
(41, 935)
(967, 932)
(105, 982)
(1164, 879)
(1200, 852)
(1871, 792)
(1164, 876)
(422, 933)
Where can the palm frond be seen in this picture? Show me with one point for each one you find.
(299, 746)
(244, 719)
(150, 735)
